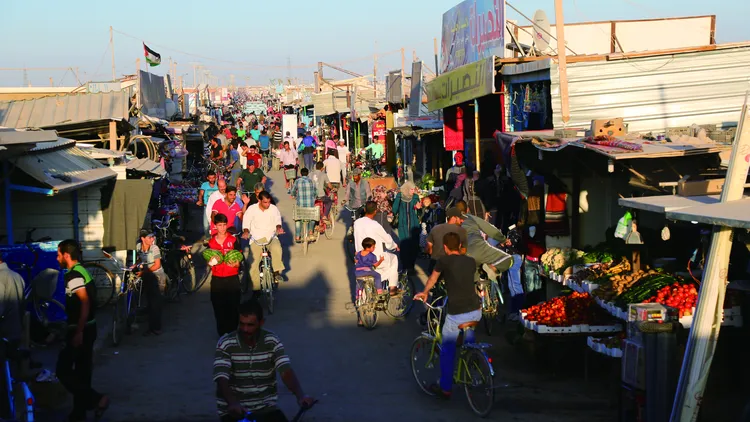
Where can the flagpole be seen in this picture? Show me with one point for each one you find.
(112, 47)
(138, 83)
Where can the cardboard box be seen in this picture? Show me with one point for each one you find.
(699, 187)
(388, 182)
(651, 312)
(611, 127)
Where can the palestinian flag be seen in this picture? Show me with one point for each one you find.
(152, 57)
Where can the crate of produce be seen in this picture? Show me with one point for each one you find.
(544, 329)
(616, 328)
(290, 173)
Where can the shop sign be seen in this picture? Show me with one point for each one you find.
(97, 87)
(378, 130)
(463, 84)
(472, 30)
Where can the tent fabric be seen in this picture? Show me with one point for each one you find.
(125, 205)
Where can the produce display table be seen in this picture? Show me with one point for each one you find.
(605, 346)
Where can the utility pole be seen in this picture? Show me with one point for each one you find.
(51, 81)
(75, 72)
(437, 68)
(320, 76)
(403, 76)
(562, 64)
(112, 47)
(375, 74)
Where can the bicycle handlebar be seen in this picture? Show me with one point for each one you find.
(254, 240)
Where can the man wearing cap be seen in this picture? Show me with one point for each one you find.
(154, 279)
(250, 177)
(435, 239)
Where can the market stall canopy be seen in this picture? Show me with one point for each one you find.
(126, 205)
(666, 203)
(60, 167)
(15, 142)
(144, 165)
(730, 214)
(332, 102)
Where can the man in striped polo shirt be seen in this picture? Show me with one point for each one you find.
(245, 369)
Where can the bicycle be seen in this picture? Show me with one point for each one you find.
(325, 224)
(489, 292)
(349, 246)
(103, 278)
(16, 390)
(298, 417)
(368, 302)
(473, 370)
(306, 216)
(124, 315)
(267, 283)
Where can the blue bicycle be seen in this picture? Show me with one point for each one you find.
(15, 389)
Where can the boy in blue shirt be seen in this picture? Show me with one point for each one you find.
(365, 263)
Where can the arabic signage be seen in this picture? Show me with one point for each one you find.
(378, 131)
(97, 87)
(472, 30)
(463, 84)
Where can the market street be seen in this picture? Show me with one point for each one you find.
(357, 375)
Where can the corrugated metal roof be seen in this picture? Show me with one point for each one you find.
(146, 166)
(729, 214)
(9, 136)
(335, 102)
(653, 93)
(65, 169)
(56, 111)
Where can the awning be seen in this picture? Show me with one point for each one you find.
(65, 110)
(10, 136)
(144, 165)
(666, 203)
(125, 212)
(61, 168)
(729, 214)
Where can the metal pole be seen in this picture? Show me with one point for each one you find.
(562, 61)
(76, 227)
(476, 134)
(403, 77)
(111, 47)
(8, 207)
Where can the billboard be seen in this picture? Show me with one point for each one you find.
(471, 81)
(415, 97)
(472, 30)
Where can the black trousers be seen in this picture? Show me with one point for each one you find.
(154, 300)
(225, 298)
(74, 370)
(273, 416)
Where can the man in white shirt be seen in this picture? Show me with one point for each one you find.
(333, 169)
(243, 157)
(288, 158)
(368, 227)
(262, 222)
(344, 154)
(288, 138)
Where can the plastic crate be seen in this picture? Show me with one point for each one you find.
(290, 173)
(305, 213)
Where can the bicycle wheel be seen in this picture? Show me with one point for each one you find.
(119, 319)
(268, 290)
(206, 276)
(478, 383)
(400, 305)
(305, 237)
(187, 275)
(368, 313)
(329, 228)
(425, 362)
(51, 314)
(104, 281)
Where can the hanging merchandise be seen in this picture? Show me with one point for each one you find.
(526, 99)
(623, 225)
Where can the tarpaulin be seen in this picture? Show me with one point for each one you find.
(453, 129)
(125, 203)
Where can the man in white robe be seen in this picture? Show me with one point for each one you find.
(368, 227)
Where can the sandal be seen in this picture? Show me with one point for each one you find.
(101, 408)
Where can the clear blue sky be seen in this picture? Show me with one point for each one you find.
(75, 33)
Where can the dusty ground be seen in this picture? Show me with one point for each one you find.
(357, 375)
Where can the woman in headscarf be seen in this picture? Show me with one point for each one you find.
(405, 208)
(380, 196)
(474, 203)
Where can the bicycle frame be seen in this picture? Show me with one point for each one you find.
(28, 397)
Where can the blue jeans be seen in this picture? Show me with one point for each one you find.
(298, 227)
(206, 223)
(448, 349)
(308, 159)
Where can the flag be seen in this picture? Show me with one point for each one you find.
(152, 57)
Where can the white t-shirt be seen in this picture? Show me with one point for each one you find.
(216, 196)
(343, 153)
(333, 169)
(261, 224)
(243, 158)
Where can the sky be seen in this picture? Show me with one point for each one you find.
(257, 40)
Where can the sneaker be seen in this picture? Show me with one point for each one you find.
(278, 278)
(438, 392)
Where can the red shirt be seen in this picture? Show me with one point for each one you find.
(223, 270)
(228, 133)
(230, 211)
(255, 157)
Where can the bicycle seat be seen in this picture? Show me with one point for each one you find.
(467, 325)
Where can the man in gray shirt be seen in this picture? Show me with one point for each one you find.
(435, 239)
(320, 178)
(11, 302)
(358, 191)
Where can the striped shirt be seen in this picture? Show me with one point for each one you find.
(304, 191)
(251, 371)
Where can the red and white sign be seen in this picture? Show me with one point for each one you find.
(378, 131)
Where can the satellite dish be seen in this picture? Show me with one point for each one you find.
(541, 31)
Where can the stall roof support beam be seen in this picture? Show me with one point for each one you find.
(31, 189)
(8, 207)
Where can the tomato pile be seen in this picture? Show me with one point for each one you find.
(563, 311)
(680, 296)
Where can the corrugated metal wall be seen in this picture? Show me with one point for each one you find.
(53, 216)
(654, 93)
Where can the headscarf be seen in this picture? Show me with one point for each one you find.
(380, 196)
(406, 191)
